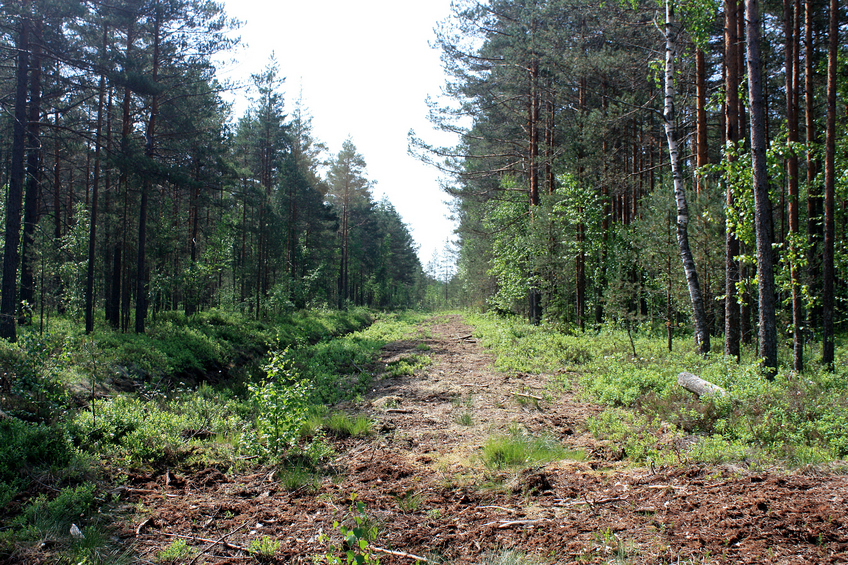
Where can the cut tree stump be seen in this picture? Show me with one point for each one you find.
(699, 386)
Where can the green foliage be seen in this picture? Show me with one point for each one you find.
(357, 535)
(407, 365)
(796, 419)
(282, 406)
(410, 501)
(33, 365)
(44, 515)
(465, 419)
(342, 368)
(263, 548)
(178, 549)
(28, 446)
(73, 270)
(635, 437)
(139, 431)
(298, 476)
(342, 425)
(526, 348)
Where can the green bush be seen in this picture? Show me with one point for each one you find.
(282, 406)
(31, 446)
(71, 505)
(141, 432)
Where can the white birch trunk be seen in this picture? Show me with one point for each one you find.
(702, 334)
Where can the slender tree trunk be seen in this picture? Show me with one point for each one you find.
(92, 233)
(702, 335)
(33, 182)
(828, 271)
(191, 298)
(533, 115)
(814, 193)
(762, 204)
(9, 299)
(701, 111)
(731, 136)
(745, 313)
(121, 276)
(141, 274)
(791, 65)
(108, 244)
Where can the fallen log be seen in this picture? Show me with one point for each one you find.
(699, 386)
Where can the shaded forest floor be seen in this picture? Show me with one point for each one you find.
(427, 490)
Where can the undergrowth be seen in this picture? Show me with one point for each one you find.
(795, 419)
(202, 397)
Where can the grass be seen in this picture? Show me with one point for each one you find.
(336, 424)
(464, 419)
(518, 449)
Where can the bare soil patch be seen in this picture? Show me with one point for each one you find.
(429, 494)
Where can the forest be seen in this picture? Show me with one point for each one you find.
(652, 165)
(217, 347)
(130, 189)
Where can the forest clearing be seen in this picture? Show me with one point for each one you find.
(452, 461)
(219, 341)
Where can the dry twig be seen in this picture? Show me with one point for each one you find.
(523, 395)
(216, 542)
(399, 554)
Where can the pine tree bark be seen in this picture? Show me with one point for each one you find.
(149, 148)
(828, 270)
(814, 193)
(767, 347)
(791, 67)
(120, 308)
(732, 332)
(533, 115)
(33, 174)
(9, 290)
(95, 196)
(671, 31)
(701, 114)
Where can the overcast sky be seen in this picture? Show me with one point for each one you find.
(365, 68)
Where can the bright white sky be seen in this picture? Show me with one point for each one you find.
(365, 68)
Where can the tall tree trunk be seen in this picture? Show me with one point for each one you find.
(120, 272)
(828, 272)
(731, 136)
(149, 147)
(701, 111)
(791, 66)
(9, 299)
(814, 193)
(745, 314)
(95, 194)
(108, 244)
(533, 115)
(702, 335)
(762, 204)
(33, 184)
(191, 298)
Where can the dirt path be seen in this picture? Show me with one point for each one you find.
(428, 493)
